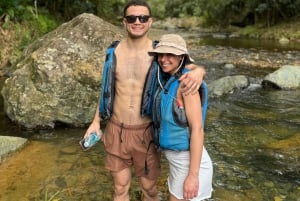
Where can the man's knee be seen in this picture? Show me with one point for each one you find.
(151, 193)
(121, 183)
(121, 192)
(149, 189)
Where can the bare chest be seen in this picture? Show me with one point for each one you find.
(132, 67)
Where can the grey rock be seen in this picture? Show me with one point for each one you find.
(227, 84)
(58, 79)
(286, 77)
(9, 145)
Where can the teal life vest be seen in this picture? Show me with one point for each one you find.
(108, 85)
(171, 131)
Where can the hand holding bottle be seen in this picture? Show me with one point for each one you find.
(89, 141)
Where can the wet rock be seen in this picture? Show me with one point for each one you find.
(69, 150)
(287, 77)
(9, 145)
(229, 66)
(227, 84)
(58, 79)
(284, 40)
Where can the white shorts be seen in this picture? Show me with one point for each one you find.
(179, 167)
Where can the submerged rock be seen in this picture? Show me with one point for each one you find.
(283, 157)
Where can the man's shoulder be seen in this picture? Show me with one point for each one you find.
(114, 44)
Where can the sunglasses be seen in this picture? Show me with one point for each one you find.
(132, 18)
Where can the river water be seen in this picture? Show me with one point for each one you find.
(52, 166)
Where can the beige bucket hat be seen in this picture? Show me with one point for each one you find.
(172, 44)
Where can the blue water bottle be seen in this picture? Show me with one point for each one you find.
(89, 141)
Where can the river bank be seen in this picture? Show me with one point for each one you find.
(289, 30)
(252, 57)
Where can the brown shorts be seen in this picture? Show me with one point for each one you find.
(129, 145)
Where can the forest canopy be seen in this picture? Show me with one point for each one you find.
(22, 21)
(212, 12)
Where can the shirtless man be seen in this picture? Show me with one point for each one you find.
(128, 134)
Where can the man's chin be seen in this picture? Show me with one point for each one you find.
(137, 35)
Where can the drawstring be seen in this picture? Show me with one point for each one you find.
(121, 132)
(146, 169)
(146, 164)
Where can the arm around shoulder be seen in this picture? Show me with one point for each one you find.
(192, 80)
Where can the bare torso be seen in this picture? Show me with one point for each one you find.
(131, 70)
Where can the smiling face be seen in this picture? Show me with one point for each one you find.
(137, 21)
(169, 63)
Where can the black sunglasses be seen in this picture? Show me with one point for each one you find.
(132, 18)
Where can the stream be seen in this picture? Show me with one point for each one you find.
(52, 167)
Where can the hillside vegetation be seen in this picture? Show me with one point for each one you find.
(22, 21)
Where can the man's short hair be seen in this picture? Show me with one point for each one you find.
(136, 3)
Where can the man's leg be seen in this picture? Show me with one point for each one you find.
(122, 181)
(149, 189)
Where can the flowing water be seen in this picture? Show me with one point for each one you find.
(239, 42)
(52, 166)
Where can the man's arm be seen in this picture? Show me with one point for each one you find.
(192, 80)
(95, 125)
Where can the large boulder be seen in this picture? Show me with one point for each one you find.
(58, 79)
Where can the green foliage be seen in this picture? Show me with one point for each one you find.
(110, 10)
(16, 12)
(158, 8)
(67, 9)
(248, 31)
(26, 22)
(45, 23)
(212, 12)
(225, 12)
(13, 8)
